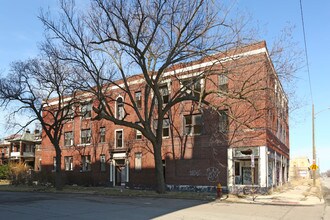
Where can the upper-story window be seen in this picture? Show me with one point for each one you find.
(119, 139)
(85, 136)
(192, 124)
(138, 99)
(68, 138)
(102, 134)
(223, 121)
(120, 108)
(166, 127)
(223, 83)
(192, 85)
(164, 93)
(86, 110)
(68, 113)
(138, 133)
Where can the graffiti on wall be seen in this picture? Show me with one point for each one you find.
(212, 174)
(195, 172)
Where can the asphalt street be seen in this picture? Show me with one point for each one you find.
(15, 205)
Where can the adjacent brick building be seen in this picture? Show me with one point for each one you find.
(244, 128)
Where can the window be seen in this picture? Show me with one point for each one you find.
(164, 93)
(68, 138)
(223, 121)
(28, 148)
(68, 163)
(120, 109)
(223, 83)
(85, 136)
(237, 169)
(102, 134)
(138, 134)
(119, 139)
(166, 127)
(138, 99)
(138, 161)
(86, 110)
(102, 162)
(192, 124)
(68, 113)
(193, 86)
(86, 163)
(54, 163)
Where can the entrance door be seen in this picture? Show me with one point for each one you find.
(120, 172)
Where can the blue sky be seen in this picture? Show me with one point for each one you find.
(21, 31)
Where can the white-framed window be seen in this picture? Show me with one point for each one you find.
(68, 163)
(120, 111)
(138, 161)
(192, 124)
(86, 163)
(68, 113)
(223, 83)
(119, 139)
(192, 85)
(85, 136)
(138, 135)
(223, 121)
(138, 99)
(86, 110)
(102, 134)
(163, 89)
(102, 163)
(166, 127)
(68, 138)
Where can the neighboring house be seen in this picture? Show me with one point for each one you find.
(201, 147)
(20, 148)
(4, 150)
(300, 168)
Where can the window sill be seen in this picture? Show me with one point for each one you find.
(193, 135)
(83, 145)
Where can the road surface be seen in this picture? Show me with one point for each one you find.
(37, 206)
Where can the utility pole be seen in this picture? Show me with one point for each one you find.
(314, 151)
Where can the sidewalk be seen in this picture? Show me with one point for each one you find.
(294, 193)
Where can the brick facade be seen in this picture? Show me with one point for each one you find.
(98, 152)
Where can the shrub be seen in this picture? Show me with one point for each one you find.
(4, 172)
(19, 173)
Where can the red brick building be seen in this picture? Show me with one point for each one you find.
(244, 129)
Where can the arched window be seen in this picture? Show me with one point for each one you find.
(120, 108)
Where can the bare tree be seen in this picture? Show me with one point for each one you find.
(30, 88)
(113, 39)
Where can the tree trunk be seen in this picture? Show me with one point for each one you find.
(160, 181)
(58, 174)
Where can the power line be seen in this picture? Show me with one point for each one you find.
(306, 54)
